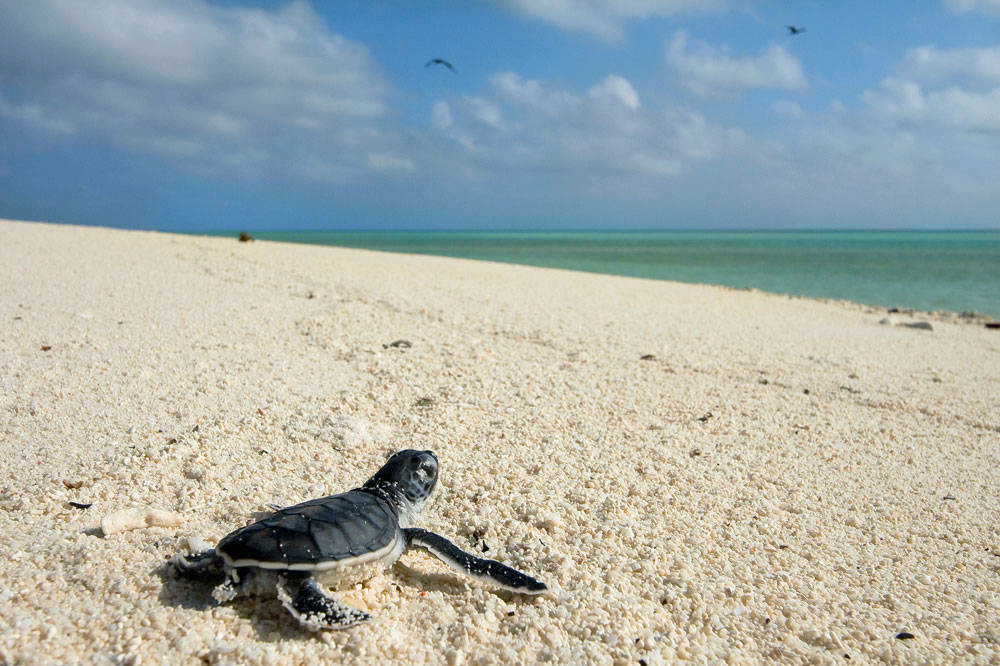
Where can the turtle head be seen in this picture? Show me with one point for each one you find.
(410, 476)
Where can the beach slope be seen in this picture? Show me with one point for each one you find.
(697, 472)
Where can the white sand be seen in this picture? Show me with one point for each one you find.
(843, 490)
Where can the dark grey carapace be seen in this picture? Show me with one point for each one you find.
(340, 539)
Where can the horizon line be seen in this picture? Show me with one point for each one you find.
(586, 230)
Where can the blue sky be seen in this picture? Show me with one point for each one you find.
(562, 114)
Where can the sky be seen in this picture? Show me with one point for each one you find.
(560, 114)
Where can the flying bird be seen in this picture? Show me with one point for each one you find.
(440, 61)
(792, 30)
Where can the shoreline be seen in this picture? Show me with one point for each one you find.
(970, 314)
(699, 473)
(962, 315)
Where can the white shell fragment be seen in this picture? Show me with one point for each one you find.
(134, 518)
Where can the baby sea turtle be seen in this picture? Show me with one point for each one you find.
(340, 539)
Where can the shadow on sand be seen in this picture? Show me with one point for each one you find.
(271, 622)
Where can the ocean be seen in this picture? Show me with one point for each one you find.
(922, 270)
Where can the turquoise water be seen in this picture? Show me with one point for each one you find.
(958, 271)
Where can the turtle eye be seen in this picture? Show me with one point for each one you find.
(414, 463)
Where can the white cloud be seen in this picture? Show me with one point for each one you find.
(966, 110)
(896, 98)
(711, 72)
(696, 138)
(204, 86)
(37, 117)
(617, 89)
(603, 132)
(918, 139)
(966, 6)
(604, 18)
(943, 89)
(486, 112)
(950, 108)
(529, 93)
(930, 62)
(441, 115)
(851, 167)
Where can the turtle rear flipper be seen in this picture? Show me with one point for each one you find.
(313, 607)
(490, 571)
(205, 565)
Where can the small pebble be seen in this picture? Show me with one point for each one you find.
(195, 472)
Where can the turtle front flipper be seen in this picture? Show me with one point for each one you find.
(488, 570)
(314, 608)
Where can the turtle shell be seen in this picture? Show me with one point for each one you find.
(353, 527)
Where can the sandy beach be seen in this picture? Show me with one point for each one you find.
(778, 480)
